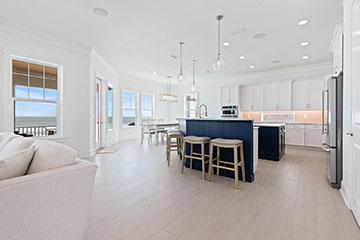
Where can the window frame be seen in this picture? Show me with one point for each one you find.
(112, 106)
(58, 101)
(152, 104)
(136, 108)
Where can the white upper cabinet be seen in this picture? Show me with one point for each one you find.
(230, 95)
(306, 94)
(252, 98)
(277, 96)
(337, 49)
(270, 95)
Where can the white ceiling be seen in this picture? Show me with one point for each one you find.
(139, 36)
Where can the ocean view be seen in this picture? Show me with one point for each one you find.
(35, 121)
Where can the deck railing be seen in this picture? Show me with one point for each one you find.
(36, 131)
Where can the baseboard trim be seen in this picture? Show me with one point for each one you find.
(345, 195)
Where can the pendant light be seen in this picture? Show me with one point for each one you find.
(193, 87)
(181, 77)
(219, 61)
(168, 97)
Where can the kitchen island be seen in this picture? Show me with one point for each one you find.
(231, 128)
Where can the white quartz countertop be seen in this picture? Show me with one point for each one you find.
(270, 124)
(288, 123)
(217, 119)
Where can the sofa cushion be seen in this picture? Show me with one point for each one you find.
(16, 163)
(15, 144)
(5, 138)
(49, 155)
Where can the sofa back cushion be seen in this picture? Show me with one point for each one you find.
(5, 138)
(15, 144)
(15, 164)
(49, 155)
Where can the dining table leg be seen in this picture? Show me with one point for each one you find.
(156, 135)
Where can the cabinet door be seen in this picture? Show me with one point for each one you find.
(296, 134)
(270, 94)
(246, 98)
(315, 88)
(299, 95)
(283, 96)
(313, 137)
(258, 98)
(234, 95)
(224, 96)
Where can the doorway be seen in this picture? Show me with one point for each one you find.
(98, 114)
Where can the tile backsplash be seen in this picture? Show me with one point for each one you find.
(300, 116)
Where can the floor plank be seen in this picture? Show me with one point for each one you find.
(136, 196)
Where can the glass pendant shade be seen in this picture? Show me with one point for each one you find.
(193, 88)
(219, 63)
(181, 77)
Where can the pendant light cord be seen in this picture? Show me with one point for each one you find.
(219, 19)
(194, 72)
(181, 45)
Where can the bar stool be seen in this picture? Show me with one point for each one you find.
(227, 143)
(192, 140)
(172, 146)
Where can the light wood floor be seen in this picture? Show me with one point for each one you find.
(136, 196)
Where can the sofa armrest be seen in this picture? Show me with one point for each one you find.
(48, 205)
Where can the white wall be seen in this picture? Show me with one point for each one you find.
(75, 83)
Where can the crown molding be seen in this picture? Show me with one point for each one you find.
(22, 32)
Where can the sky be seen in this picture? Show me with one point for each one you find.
(38, 109)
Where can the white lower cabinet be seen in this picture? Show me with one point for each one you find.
(304, 135)
(313, 137)
(295, 135)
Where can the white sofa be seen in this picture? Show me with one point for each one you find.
(50, 201)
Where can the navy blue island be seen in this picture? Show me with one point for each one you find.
(241, 129)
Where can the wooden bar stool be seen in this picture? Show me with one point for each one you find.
(227, 143)
(197, 156)
(172, 146)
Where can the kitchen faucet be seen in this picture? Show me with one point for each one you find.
(203, 105)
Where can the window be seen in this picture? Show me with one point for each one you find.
(35, 92)
(146, 105)
(110, 108)
(129, 108)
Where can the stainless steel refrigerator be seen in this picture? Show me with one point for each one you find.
(332, 120)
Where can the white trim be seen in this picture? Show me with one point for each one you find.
(59, 101)
(22, 32)
(345, 195)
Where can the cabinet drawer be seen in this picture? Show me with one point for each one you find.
(296, 126)
(315, 127)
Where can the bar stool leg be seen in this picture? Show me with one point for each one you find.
(217, 160)
(236, 167)
(242, 163)
(211, 169)
(183, 157)
(168, 143)
(191, 155)
(203, 159)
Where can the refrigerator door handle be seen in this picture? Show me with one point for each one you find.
(325, 147)
(323, 113)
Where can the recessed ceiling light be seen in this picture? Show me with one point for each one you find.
(208, 71)
(101, 12)
(154, 73)
(304, 44)
(226, 44)
(305, 57)
(259, 35)
(303, 22)
(252, 66)
(276, 61)
(242, 57)
(174, 56)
